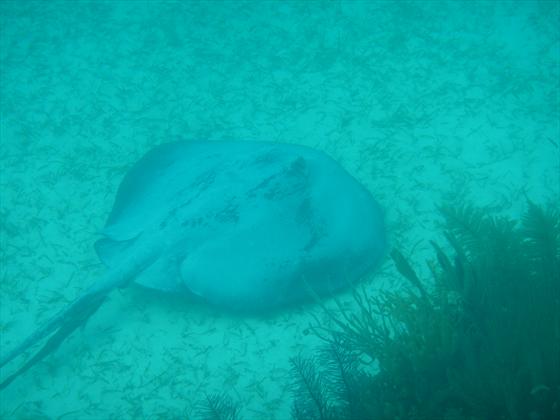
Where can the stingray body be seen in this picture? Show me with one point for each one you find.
(242, 225)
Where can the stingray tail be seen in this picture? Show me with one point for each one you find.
(78, 312)
(61, 326)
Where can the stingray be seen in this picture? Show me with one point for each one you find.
(244, 226)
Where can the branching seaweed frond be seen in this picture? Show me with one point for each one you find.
(218, 407)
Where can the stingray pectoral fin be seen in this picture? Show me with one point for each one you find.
(73, 317)
(142, 179)
(110, 251)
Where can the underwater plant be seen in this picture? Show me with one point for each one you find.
(479, 338)
(218, 407)
(329, 386)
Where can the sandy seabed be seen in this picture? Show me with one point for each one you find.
(423, 102)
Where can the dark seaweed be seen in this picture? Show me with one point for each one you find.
(329, 386)
(218, 407)
(480, 339)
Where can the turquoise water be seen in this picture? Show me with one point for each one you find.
(421, 102)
